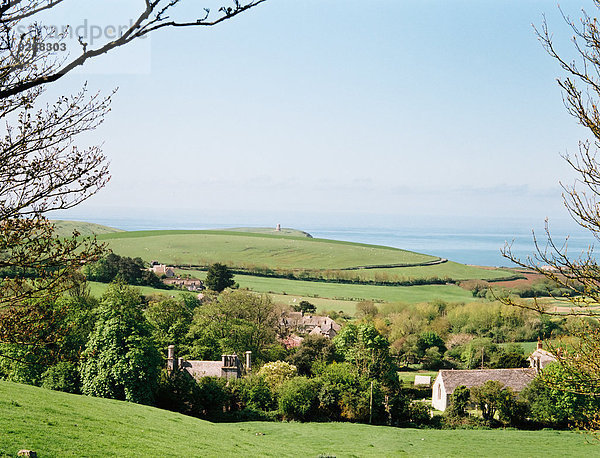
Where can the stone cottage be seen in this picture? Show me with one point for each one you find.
(540, 358)
(230, 366)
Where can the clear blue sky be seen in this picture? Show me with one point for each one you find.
(337, 109)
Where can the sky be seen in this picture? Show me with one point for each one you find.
(340, 111)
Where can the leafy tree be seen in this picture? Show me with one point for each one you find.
(298, 398)
(552, 405)
(63, 376)
(315, 350)
(478, 350)
(170, 320)
(366, 309)
(276, 373)
(219, 277)
(430, 339)
(459, 401)
(254, 393)
(305, 307)
(346, 395)
(42, 168)
(577, 275)
(120, 360)
(363, 346)
(238, 321)
(130, 270)
(510, 360)
(489, 397)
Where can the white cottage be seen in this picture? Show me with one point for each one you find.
(448, 380)
(540, 358)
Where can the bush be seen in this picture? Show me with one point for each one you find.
(298, 398)
(419, 413)
(253, 393)
(459, 400)
(62, 376)
(277, 372)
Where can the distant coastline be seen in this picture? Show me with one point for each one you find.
(473, 245)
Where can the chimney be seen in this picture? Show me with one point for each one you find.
(248, 361)
(171, 358)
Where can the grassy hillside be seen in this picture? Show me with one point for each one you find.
(269, 230)
(248, 250)
(66, 228)
(245, 248)
(60, 425)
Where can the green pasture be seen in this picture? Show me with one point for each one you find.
(528, 347)
(351, 292)
(55, 424)
(408, 377)
(65, 228)
(245, 249)
(271, 231)
(97, 289)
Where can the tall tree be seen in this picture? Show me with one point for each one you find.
(41, 166)
(219, 277)
(121, 360)
(580, 367)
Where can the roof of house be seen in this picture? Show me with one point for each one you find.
(544, 356)
(203, 368)
(517, 379)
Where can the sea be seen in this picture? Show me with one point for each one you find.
(469, 242)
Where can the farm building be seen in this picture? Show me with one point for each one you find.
(229, 367)
(308, 324)
(161, 269)
(190, 284)
(540, 358)
(448, 380)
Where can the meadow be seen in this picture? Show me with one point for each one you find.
(65, 228)
(247, 248)
(56, 424)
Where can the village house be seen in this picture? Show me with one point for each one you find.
(448, 380)
(191, 284)
(162, 269)
(298, 322)
(230, 366)
(540, 358)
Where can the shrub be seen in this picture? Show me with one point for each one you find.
(459, 400)
(298, 398)
(277, 372)
(63, 376)
(419, 413)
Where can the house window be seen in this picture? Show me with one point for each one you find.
(439, 392)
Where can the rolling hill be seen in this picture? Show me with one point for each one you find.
(55, 424)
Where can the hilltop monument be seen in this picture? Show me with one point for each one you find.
(278, 228)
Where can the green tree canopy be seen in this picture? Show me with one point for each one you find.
(238, 321)
(121, 360)
(219, 277)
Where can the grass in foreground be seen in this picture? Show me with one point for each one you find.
(60, 424)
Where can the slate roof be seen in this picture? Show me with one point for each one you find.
(517, 379)
(203, 368)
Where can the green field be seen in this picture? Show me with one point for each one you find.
(245, 249)
(66, 228)
(57, 424)
(349, 292)
(269, 230)
(97, 289)
(408, 377)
